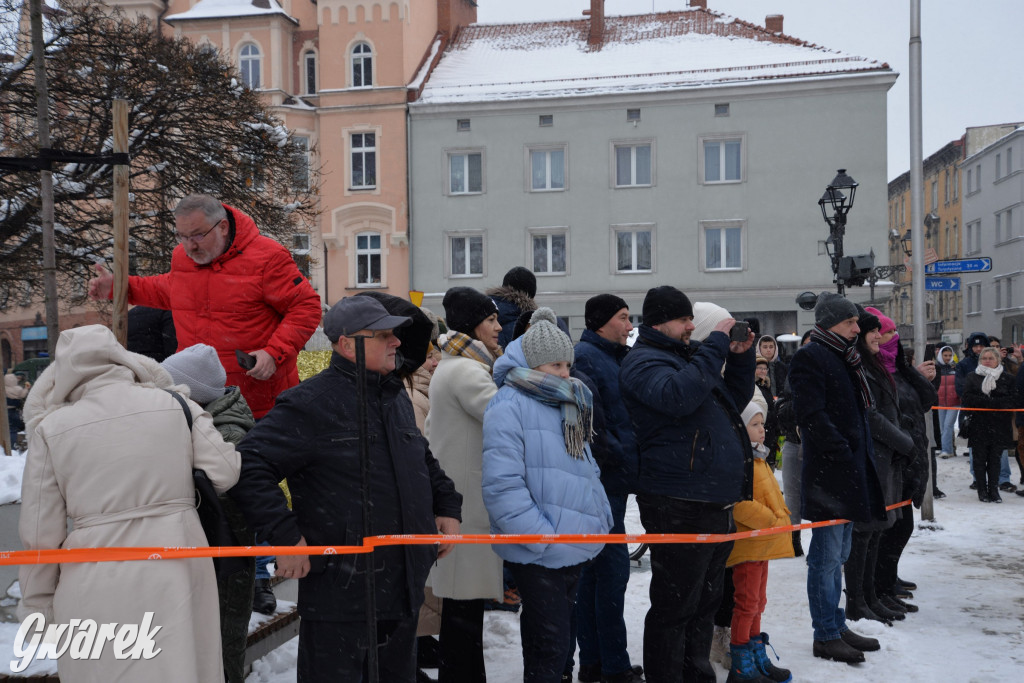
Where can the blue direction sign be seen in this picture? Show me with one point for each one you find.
(942, 284)
(970, 265)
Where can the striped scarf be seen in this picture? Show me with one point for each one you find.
(570, 396)
(848, 351)
(460, 344)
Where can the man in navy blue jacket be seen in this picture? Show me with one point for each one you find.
(695, 464)
(831, 401)
(601, 598)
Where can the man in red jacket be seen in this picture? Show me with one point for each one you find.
(233, 289)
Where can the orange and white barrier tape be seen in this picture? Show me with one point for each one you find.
(77, 555)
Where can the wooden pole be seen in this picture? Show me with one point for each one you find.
(45, 179)
(120, 223)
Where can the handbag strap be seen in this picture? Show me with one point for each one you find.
(184, 407)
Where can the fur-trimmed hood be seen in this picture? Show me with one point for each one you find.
(520, 300)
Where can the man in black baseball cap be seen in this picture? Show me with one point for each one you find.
(363, 316)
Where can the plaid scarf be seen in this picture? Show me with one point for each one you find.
(460, 344)
(848, 351)
(570, 396)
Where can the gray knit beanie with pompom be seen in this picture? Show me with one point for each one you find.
(544, 342)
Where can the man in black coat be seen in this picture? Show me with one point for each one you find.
(311, 438)
(831, 401)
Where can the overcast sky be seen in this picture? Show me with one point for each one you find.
(971, 51)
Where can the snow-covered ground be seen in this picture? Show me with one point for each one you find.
(970, 571)
(11, 469)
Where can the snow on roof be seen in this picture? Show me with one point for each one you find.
(223, 9)
(664, 51)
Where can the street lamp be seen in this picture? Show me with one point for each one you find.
(838, 199)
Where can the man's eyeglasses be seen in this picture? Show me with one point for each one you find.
(198, 237)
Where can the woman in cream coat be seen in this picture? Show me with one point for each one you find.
(111, 450)
(459, 392)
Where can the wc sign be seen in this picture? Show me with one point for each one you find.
(83, 639)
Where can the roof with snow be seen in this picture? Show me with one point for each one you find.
(226, 9)
(647, 52)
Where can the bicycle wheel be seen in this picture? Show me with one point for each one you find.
(634, 526)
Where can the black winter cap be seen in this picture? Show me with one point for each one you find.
(665, 303)
(522, 280)
(600, 309)
(465, 308)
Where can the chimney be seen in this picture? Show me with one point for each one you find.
(773, 22)
(596, 13)
(701, 4)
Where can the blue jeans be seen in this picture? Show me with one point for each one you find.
(1004, 466)
(947, 418)
(829, 550)
(601, 631)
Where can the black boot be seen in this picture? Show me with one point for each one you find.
(857, 609)
(798, 549)
(838, 650)
(862, 643)
(893, 602)
(263, 600)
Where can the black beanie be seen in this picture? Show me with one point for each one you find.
(866, 321)
(465, 308)
(665, 303)
(521, 280)
(600, 309)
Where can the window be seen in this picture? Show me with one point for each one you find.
(362, 66)
(364, 160)
(249, 65)
(970, 179)
(300, 252)
(1009, 292)
(547, 169)
(467, 255)
(462, 125)
(721, 110)
(935, 195)
(945, 189)
(956, 184)
(465, 173)
(977, 178)
(723, 245)
(973, 244)
(301, 153)
(998, 289)
(999, 164)
(632, 115)
(634, 252)
(1009, 160)
(309, 70)
(723, 160)
(974, 298)
(547, 120)
(368, 255)
(550, 254)
(633, 165)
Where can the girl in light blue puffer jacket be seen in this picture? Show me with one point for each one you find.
(539, 477)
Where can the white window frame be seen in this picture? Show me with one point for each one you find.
(249, 63)
(364, 151)
(973, 303)
(935, 195)
(368, 253)
(449, 155)
(723, 225)
(973, 235)
(549, 232)
(547, 149)
(632, 145)
(363, 57)
(721, 139)
(301, 148)
(633, 228)
(309, 87)
(467, 235)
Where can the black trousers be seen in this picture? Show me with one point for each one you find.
(549, 601)
(890, 549)
(336, 651)
(686, 589)
(987, 459)
(462, 642)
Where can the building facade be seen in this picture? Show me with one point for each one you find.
(993, 216)
(614, 154)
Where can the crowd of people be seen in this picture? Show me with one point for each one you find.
(486, 420)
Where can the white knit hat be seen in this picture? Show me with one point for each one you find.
(757, 405)
(199, 368)
(705, 316)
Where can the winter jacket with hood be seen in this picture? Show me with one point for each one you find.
(690, 439)
(777, 370)
(311, 437)
(969, 363)
(765, 510)
(250, 297)
(111, 450)
(459, 393)
(511, 304)
(945, 380)
(839, 478)
(531, 485)
(599, 359)
(892, 445)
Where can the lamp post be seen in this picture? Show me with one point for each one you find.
(838, 199)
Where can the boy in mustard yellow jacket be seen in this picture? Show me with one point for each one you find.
(749, 561)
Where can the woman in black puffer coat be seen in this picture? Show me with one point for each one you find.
(916, 398)
(891, 445)
(991, 432)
